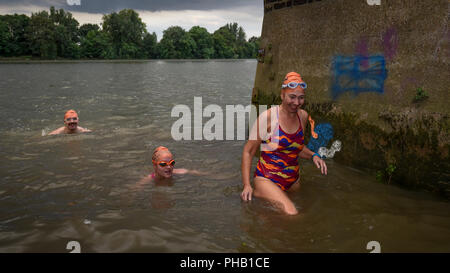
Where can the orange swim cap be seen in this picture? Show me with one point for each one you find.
(70, 113)
(155, 152)
(292, 77)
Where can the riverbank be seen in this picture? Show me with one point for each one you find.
(4, 60)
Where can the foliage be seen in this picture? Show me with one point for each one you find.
(12, 35)
(127, 31)
(421, 95)
(149, 46)
(204, 46)
(41, 36)
(96, 46)
(57, 34)
(390, 171)
(85, 28)
(387, 174)
(176, 44)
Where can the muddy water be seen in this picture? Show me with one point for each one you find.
(56, 189)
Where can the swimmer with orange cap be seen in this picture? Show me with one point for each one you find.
(70, 125)
(163, 166)
(279, 132)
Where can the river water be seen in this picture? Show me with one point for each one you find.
(56, 189)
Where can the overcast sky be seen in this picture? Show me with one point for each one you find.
(158, 15)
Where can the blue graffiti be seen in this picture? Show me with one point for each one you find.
(325, 134)
(358, 74)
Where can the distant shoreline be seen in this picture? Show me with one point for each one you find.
(27, 60)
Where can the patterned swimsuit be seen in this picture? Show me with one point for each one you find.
(280, 164)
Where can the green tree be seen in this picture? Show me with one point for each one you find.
(65, 33)
(40, 34)
(13, 41)
(96, 45)
(176, 44)
(149, 46)
(85, 28)
(127, 31)
(230, 42)
(253, 47)
(204, 44)
(241, 45)
(4, 38)
(223, 47)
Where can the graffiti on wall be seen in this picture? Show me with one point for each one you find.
(390, 43)
(358, 74)
(329, 153)
(324, 133)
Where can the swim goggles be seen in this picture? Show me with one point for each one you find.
(165, 163)
(294, 85)
(74, 119)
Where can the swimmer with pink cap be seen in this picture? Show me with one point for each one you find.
(164, 166)
(70, 125)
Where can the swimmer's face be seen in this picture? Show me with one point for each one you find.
(71, 122)
(166, 171)
(292, 100)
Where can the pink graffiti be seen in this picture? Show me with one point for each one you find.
(446, 37)
(390, 43)
(362, 49)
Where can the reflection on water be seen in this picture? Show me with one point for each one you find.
(56, 189)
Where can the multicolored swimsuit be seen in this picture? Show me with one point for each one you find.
(280, 164)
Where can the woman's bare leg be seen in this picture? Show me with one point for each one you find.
(264, 188)
(295, 187)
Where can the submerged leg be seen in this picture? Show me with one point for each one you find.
(265, 188)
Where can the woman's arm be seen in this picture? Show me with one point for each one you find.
(57, 131)
(248, 153)
(186, 171)
(84, 130)
(259, 130)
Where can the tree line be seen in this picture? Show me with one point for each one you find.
(121, 35)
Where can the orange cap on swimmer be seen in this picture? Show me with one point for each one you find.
(70, 113)
(292, 80)
(292, 76)
(155, 152)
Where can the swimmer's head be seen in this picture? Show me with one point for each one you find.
(292, 82)
(293, 92)
(71, 120)
(163, 162)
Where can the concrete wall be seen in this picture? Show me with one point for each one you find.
(364, 66)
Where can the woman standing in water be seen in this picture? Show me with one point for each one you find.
(280, 133)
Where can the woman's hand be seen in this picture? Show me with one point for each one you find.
(247, 192)
(320, 164)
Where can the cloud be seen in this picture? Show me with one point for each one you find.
(108, 6)
(211, 20)
(248, 16)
